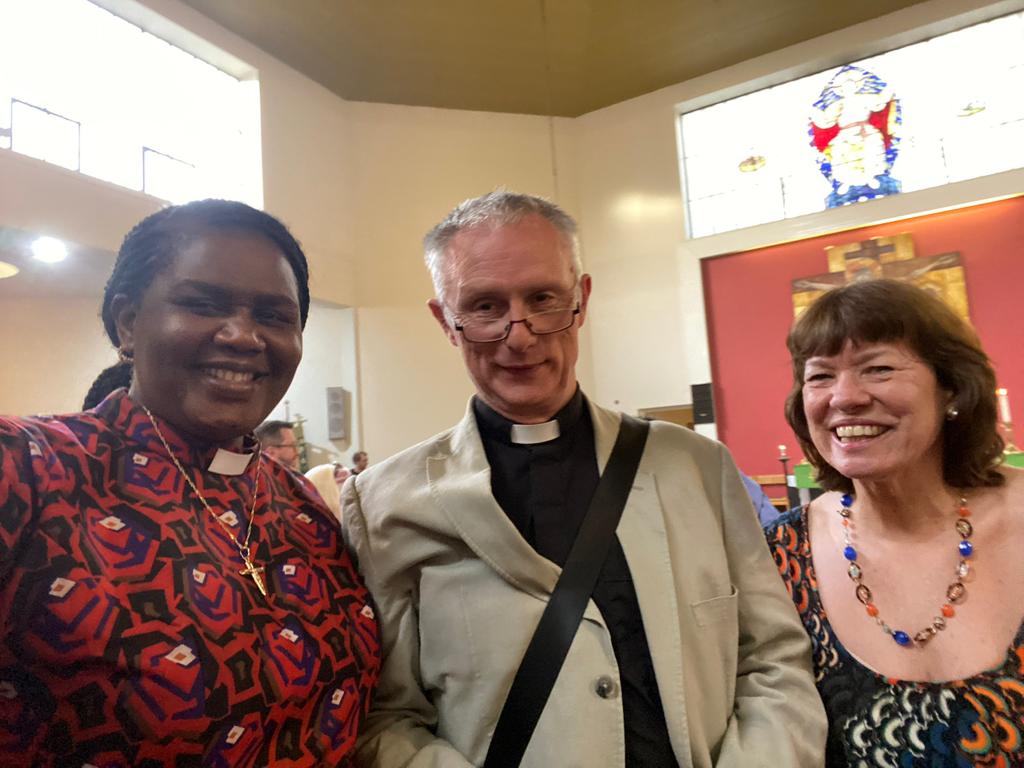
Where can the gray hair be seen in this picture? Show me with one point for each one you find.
(498, 208)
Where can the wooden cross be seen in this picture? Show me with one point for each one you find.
(870, 249)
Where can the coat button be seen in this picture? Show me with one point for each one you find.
(605, 687)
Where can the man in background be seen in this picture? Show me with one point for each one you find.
(277, 439)
(360, 461)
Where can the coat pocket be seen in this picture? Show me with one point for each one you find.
(715, 610)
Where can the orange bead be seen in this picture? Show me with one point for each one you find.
(846, 523)
(948, 611)
(964, 512)
(871, 609)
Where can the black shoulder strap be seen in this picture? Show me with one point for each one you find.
(558, 624)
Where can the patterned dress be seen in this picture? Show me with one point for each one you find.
(128, 637)
(890, 723)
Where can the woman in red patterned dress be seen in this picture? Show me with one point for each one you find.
(907, 572)
(168, 595)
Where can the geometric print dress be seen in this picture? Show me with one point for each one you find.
(882, 722)
(128, 635)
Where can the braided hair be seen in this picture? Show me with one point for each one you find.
(114, 377)
(154, 241)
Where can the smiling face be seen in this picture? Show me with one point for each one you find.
(216, 337)
(513, 271)
(875, 411)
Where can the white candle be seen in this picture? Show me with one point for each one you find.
(782, 451)
(1004, 406)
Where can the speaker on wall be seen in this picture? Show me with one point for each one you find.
(703, 404)
(337, 413)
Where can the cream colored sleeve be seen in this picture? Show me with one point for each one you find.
(398, 732)
(778, 718)
(322, 478)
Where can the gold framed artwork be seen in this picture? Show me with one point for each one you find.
(891, 257)
(865, 257)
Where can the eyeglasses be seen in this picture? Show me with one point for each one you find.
(484, 330)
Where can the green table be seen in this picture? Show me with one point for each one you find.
(804, 472)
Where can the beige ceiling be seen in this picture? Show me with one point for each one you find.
(551, 57)
(83, 273)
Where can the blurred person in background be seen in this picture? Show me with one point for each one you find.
(360, 461)
(279, 441)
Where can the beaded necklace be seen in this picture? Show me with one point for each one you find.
(955, 592)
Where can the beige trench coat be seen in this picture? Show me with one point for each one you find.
(459, 593)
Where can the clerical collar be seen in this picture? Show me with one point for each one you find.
(531, 434)
(128, 418)
(229, 462)
(496, 427)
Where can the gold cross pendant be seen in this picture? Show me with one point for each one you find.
(256, 572)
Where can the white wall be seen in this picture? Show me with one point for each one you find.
(328, 360)
(40, 197)
(46, 369)
(54, 345)
(631, 216)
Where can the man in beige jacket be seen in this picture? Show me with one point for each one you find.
(690, 652)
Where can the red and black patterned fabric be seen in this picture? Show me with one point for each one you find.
(128, 637)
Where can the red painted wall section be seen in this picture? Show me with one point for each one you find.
(750, 310)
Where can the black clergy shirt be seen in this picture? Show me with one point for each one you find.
(545, 489)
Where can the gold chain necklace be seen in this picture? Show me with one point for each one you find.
(251, 569)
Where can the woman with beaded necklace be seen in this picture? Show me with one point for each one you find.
(907, 572)
(168, 594)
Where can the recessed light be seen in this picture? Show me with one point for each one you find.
(7, 270)
(49, 249)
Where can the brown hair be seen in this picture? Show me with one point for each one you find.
(883, 310)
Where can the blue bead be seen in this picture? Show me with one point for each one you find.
(846, 500)
(850, 553)
(966, 548)
(901, 637)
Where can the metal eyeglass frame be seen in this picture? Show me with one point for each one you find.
(525, 321)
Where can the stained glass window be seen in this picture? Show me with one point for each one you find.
(928, 114)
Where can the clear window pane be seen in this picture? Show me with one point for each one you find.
(124, 89)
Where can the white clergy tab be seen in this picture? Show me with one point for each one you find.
(229, 463)
(531, 434)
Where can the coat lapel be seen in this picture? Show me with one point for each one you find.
(645, 544)
(460, 481)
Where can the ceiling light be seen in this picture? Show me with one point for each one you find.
(49, 249)
(7, 270)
